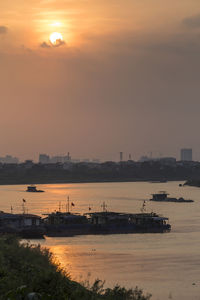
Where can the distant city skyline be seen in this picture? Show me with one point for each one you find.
(118, 156)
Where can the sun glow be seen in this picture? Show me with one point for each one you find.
(56, 37)
(56, 24)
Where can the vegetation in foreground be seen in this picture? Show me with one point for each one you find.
(30, 272)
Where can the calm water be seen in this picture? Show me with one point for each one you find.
(166, 265)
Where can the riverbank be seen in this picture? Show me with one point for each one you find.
(54, 181)
(30, 272)
(31, 173)
(192, 182)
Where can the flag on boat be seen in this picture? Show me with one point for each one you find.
(89, 208)
(24, 200)
(143, 208)
(72, 204)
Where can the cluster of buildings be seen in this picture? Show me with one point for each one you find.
(8, 159)
(46, 159)
(185, 155)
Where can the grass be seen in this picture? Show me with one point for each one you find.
(30, 272)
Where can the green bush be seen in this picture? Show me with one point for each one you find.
(30, 272)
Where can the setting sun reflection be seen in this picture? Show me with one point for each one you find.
(77, 261)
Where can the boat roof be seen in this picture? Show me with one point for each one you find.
(4, 215)
(160, 218)
(63, 214)
(161, 193)
(127, 215)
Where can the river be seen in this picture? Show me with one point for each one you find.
(166, 265)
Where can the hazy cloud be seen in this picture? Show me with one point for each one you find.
(45, 45)
(192, 22)
(58, 43)
(3, 29)
(50, 45)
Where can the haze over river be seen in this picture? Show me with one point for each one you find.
(166, 265)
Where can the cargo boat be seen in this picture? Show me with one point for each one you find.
(105, 222)
(162, 196)
(33, 189)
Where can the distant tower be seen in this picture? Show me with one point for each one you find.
(121, 156)
(129, 157)
(186, 154)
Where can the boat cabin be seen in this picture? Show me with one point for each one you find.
(19, 220)
(107, 218)
(33, 189)
(161, 196)
(148, 219)
(141, 219)
(58, 218)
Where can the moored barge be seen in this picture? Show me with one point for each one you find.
(67, 224)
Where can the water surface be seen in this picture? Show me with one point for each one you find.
(166, 265)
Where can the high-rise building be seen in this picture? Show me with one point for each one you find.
(186, 154)
(44, 159)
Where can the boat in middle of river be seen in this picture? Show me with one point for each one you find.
(162, 196)
(104, 222)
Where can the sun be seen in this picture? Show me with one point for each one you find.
(56, 37)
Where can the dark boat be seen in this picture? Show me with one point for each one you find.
(105, 222)
(113, 222)
(162, 196)
(33, 189)
(22, 225)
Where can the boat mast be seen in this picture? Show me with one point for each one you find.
(67, 205)
(23, 206)
(143, 208)
(104, 206)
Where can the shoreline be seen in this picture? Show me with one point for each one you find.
(88, 181)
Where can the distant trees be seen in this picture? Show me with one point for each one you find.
(95, 172)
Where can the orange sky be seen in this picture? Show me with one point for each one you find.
(31, 22)
(124, 70)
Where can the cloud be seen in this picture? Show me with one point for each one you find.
(3, 29)
(50, 45)
(45, 45)
(192, 22)
(58, 43)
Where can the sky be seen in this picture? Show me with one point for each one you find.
(124, 76)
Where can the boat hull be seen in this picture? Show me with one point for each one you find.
(91, 229)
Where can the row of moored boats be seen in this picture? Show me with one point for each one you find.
(69, 224)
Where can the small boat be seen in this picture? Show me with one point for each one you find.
(162, 196)
(33, 189)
